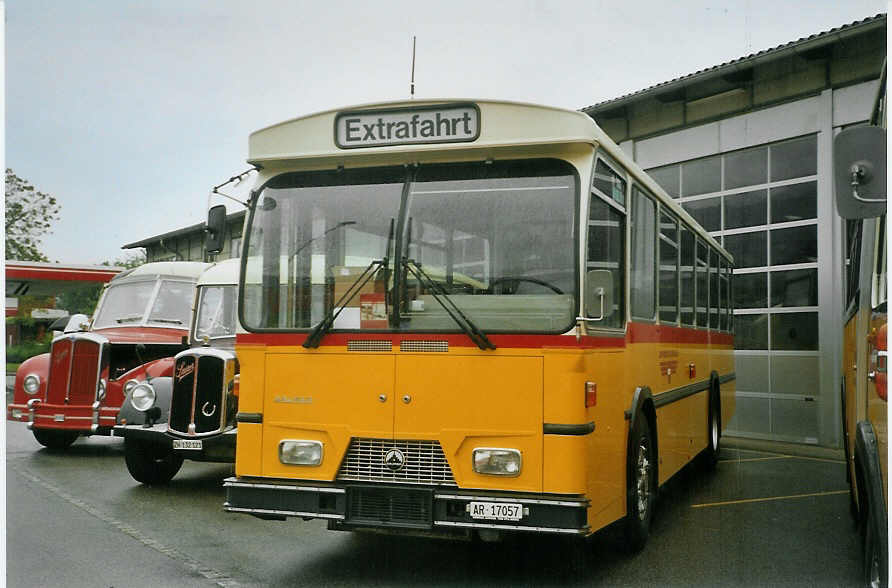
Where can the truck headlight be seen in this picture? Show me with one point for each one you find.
(130, 385)
(143, 397)
(31, 384)
(100, 390)
(295, 452)
(496, 461)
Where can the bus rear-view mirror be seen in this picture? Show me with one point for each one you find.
(859, 170)
(598, 294)
(215, 229)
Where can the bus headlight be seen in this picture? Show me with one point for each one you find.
(308, 453)
(497, 462)
(143, 397)
(31, 384)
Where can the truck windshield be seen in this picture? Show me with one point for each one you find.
(163, 302)
(216, 312)
(497, 238)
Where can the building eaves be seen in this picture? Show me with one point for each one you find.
(180, 232)
(799, 45)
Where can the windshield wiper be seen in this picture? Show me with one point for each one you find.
(460, 318)
(326, 323)
(167, 320)
(129, 319)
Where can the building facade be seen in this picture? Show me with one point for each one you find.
(747, 149)
(188, 243)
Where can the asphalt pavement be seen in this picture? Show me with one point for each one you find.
(76, 518)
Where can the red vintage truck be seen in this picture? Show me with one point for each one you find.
(141, 321)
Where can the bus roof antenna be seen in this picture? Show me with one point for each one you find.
(412, 79)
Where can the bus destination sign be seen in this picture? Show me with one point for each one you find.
(449, 123)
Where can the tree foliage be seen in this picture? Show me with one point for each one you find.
(29, 216)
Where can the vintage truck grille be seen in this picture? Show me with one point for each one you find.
(389, 506)
(198, 394)
(423, 462)
(74, 371)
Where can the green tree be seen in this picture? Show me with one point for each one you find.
(29, 216)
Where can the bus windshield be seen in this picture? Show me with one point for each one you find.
(137, 303)
(215, 316)
(379, 247)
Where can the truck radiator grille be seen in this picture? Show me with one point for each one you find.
(74, 371)
(197, 395)
(423, 462)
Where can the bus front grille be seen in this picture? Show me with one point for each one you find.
(423, 462)
(390, 506)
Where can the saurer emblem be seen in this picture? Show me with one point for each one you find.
(184, 369)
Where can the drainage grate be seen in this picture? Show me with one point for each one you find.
(360, 345)
(425, 346)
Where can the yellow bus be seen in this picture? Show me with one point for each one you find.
(471, 317)
(860, 173)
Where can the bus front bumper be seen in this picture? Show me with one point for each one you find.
(386, 506)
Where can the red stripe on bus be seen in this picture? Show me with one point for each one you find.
(454, 340)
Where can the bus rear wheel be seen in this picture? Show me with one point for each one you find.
(642, 489)
(149, 464)
(710, 457)
(55, 439)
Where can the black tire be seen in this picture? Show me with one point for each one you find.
(641, 493)
(52, 439)
(875, 572)
(150, 464)
(710, 457)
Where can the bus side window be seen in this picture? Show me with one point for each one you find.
(609, 183)
(606, 236)
(713, 289)
(687, 276)
(702, 285)
(643, 258)
(724, 295)
(668, 269)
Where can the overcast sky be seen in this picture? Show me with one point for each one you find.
(128, 112)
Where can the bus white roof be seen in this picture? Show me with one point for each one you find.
(221, 273)
(309, 141)
(179, 269)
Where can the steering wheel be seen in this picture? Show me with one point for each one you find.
(511, 282)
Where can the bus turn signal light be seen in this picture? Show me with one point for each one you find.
(591, 394)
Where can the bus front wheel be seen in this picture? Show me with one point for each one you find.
(642, 490)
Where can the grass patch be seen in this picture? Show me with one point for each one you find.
(12, 367)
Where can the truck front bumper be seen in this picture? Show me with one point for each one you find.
(214, 448)
(84, 418)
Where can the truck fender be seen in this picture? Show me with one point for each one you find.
(163, 390)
